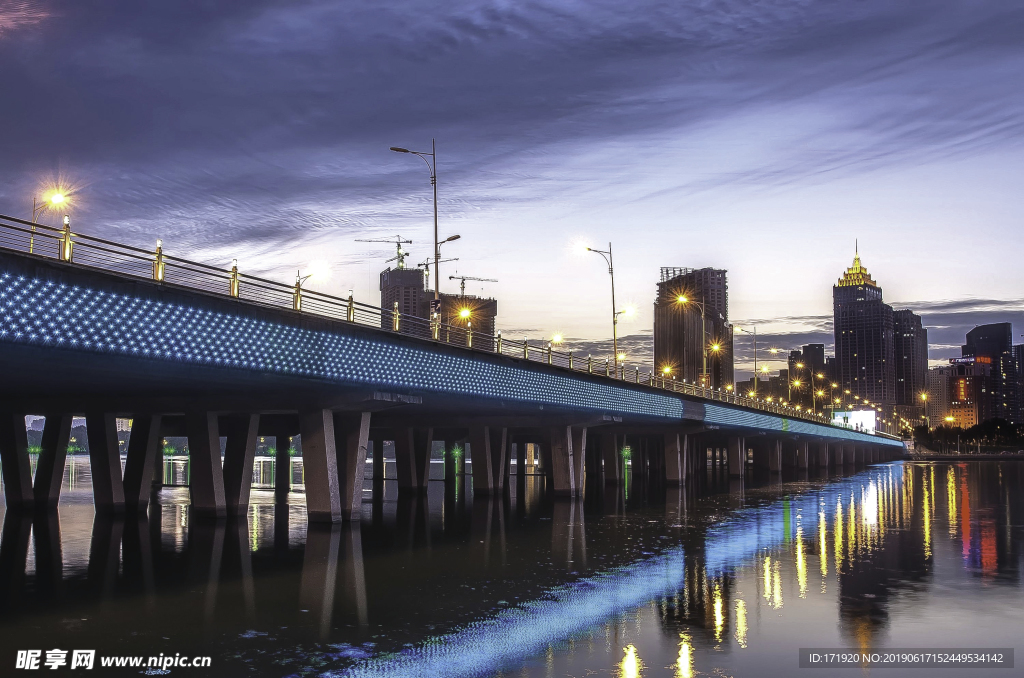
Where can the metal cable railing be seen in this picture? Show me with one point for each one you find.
(65, 245)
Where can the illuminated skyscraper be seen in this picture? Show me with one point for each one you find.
(863, 326)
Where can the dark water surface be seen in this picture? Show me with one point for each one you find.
(713, 579)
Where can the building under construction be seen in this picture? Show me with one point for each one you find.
(693, 339)
(406, 287)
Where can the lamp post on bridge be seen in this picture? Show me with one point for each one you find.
(628, 311)
(432, 167)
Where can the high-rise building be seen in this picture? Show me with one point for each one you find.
(911, 359)
(684, 337)
(405, 287)
(995, 342)
(970, 391)
(939, 395)
(863, 326)
(1018, 357)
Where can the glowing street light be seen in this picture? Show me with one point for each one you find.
(629, 311)
(54, 202)
(682, 300)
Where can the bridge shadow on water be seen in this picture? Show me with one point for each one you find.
(445, 583)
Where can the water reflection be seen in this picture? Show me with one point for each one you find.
(689, 581)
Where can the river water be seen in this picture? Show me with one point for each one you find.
(717, 578)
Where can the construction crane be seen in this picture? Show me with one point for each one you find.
(425, 265)
(464, 278)
(398, 241)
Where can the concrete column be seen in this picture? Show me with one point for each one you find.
(737, 452)
(568, 446)
(614, 467)
(282, 463)
(489, 445)
(52, 457)
(14, 458)
(140, 465)
(242, 433)
(206, 470)
(839, 455)
(675, 452)
(376, 451)
(105, 462)
(320, 463)
(823, 455)
(775, 456)
(353, 432)
(412, 458)
(803, 453)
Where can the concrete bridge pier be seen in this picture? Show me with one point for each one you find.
(568, 449)
(412, 458)
(105, 462)
(737, 452)
(320, 464)
(242, 435)
(676, 446)
(206, 473)
(849, 455)
(614, 463)
(775, 456)
(52, 458)
(803, 454)
(822, 455)
(14, 458)
(352, 431)
(140, 465)
(838, 456)
(489, 447)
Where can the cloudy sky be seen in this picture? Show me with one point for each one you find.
(763, 137)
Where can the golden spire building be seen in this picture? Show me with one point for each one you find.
(864, 336)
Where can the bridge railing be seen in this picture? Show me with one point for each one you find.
(66, 245)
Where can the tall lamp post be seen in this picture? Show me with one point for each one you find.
(432, 166)
(681, 299)
(607, 255)
(755, 354)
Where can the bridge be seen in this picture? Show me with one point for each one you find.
(95, 328)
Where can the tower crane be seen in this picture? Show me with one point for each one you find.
(425, 265)
(464, 278)
(396, 240)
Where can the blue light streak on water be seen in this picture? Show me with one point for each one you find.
(516, 634)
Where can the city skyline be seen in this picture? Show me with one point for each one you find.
(770, 164)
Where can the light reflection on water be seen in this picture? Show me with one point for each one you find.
(684, 582)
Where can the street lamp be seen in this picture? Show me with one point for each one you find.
(607, 256)
(55, 200)
(681, 299)
(755, 354)
(432, 166)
